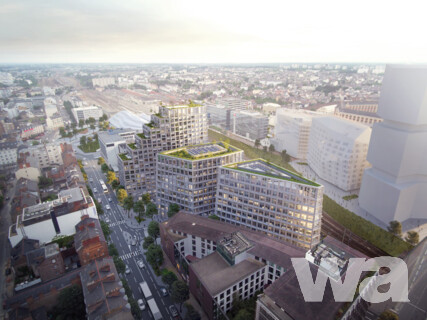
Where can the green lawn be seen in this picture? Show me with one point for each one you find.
(91, 146)
(252, 152)
(379, 237)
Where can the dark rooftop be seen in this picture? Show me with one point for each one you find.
(286, 294)
(104, 294)
(86, 229)
(265, 247)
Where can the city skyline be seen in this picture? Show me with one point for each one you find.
(194, 32)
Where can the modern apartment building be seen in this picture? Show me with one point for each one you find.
(270, 199)
(84, 113)
(292, 131)
(173, 127)
(188, 176)
(395, 188)
(337, 151)
(249, 124)
(109, 142)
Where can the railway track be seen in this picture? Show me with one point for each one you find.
(332, 228)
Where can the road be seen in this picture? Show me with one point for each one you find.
(121, 236)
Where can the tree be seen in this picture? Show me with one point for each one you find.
(104, 167)
(412, 237)
(148, 241)
(115, 184)
(153, 229)
(168, 277)
(271, 148)
(120, 265)
(105, 228)
(128, 204)
(192, 313)
(45, 182)
(151, 210)
(81, 123)
(213, 217)
(388, 315)
(264, 148)
(70, 304)
(146, 198)
(121, 195)
(243, 314)
(111, 176)
(173, 208)
(257, 143)
(395, 228)
(83, 140)
(101, 160)
(139, 208)
(285, 156)
(154, 255)
(180, 293)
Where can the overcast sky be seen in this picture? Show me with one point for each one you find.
(217, 31)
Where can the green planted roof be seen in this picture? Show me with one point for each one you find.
(124, 157)
(201, 151)
(265, 168)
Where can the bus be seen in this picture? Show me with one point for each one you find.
(103, 186)
(154, 309)
(145, 290)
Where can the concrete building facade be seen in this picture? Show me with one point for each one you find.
(188, 176)
(398, 149)
(109, 142)
(173, 127)
(270, 199)
(292, 131)
(84, 113)
(337, 151)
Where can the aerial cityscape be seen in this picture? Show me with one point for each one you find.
(177, 160)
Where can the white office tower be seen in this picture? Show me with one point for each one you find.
(395, 188)
(337, 151)
(293, 131)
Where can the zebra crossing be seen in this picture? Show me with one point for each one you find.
(130, 255)
(112, 224)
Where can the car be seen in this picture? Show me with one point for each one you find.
(7, 198)
(141, 304)
(127, 271)
(141, 264)
(107, 220)
(107, 207)
(174, 311)
(109, 200)
(134, 242)
(94, 190)
(99, 200)
(164, 292)
(91, 180)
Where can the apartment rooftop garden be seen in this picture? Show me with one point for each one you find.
(132, 146)
(191, 104)
(125, 156)
(201, 151)
(265, 168)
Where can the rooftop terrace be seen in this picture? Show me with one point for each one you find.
(201, 151)
(262, 167)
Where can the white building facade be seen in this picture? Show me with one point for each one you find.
(337, 151)
(395, 188)
(85, 113)
(292, 131)
(270, 199)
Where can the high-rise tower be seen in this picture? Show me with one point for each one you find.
(395, 188)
